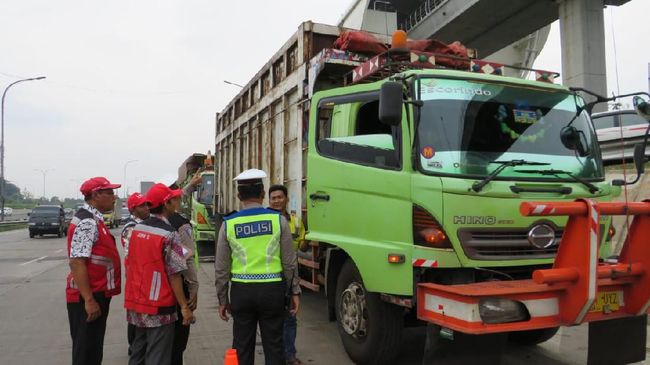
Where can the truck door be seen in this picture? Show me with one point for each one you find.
(358, 194)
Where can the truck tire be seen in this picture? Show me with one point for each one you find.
(31, 234)
(60, 233)
(532, 337)
(370, 328)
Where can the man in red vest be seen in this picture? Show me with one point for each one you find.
(154, 285)
(95, 272)
(139, 210)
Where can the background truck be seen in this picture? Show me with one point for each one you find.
(199, 205)
(409, 167)
(113, 218)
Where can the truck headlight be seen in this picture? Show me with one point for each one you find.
(31, 224)
(499, 310)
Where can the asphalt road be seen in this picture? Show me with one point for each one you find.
(35, 326)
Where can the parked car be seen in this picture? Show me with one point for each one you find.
(617, 146)
(47, 219)
(8, 211)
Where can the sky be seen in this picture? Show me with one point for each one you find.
(143, 80)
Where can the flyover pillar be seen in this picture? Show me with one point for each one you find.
(582, 32)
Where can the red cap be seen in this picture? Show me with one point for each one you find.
(135, 200)
(97, 183)
(159, 193)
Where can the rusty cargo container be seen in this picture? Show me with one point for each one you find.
(265, 125)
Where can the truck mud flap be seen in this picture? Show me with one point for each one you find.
(618, 341)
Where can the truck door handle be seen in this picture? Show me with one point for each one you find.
(320, 196)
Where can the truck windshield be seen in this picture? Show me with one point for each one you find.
(206, 191)
(465, 125)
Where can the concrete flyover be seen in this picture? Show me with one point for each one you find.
(490, 25)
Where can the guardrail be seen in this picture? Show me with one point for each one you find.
(7, 223)
(426, 7)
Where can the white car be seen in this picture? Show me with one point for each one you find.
(612, 142)
(8, 211)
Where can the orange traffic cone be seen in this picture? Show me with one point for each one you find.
(231, 357)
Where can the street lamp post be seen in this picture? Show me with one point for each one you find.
(232, 83)
(2, 144)
(44, 172)
(124, 181)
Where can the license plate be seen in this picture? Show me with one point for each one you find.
(606, 302)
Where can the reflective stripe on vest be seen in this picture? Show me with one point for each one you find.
(254, 239)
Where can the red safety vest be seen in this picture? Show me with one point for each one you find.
(148, 289)
(104, 270)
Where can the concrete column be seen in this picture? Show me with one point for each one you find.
(582, 32)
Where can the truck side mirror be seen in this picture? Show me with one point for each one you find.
(641, 107)
(390, 103)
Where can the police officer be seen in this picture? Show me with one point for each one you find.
(154, 285)
(255, 252)
(94, 272)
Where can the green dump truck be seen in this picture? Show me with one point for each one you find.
(407, 169)
(198, 206)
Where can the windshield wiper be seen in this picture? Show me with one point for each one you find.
(592, 188)
(479, 185)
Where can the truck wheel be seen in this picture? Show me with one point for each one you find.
(532, 337)
(31, 234)
(60, 233)
(370, 329)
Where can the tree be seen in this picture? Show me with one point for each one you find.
(12, 192)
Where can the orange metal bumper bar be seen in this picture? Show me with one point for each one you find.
(576, 289)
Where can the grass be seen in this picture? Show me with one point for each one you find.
(12, 227)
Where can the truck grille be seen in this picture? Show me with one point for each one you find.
(495, 244)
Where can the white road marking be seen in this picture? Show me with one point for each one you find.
(34, 260)
(59, 250)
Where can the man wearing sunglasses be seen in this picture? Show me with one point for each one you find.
(95, 272)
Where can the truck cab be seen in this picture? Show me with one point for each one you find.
(424, 185)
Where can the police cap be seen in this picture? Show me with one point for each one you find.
(250, 177)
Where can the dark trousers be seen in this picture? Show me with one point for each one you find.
(152, 346)
(253, 304)
(130, 334)
(290, 332)
(181, 334)
(88, 337)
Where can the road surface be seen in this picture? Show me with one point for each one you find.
(35, 325)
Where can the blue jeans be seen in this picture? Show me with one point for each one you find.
(289, 336)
